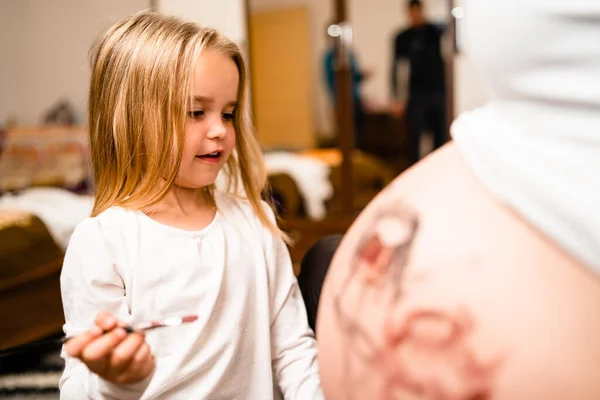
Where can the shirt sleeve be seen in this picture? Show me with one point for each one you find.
(90, 283)
(329, 73)
(293, 346)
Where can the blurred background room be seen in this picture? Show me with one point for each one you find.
(324, 163)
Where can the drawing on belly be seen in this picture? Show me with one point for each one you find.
(419, 353)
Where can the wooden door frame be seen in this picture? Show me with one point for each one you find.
(249, 57)
(344, 113)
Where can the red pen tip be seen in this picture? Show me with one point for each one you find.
(189, 318)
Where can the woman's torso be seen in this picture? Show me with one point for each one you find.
(486, 304)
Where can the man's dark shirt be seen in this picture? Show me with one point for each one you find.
(421, 46)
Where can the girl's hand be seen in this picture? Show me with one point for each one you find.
(116, 356)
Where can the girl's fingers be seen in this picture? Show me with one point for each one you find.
(106, 321)
(141, 366)
(103, 346)
(123, 355)
(75, 345)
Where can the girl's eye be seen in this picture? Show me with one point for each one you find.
(196, 114)
(228, 116)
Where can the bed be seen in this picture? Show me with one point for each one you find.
(43, 178)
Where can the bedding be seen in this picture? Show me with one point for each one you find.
(30, 264)
(310, 175)
(59, 209)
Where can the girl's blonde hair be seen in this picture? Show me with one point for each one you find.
(142, 70)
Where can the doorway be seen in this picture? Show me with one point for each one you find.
(281, 78)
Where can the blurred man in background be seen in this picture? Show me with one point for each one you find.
(418, 84)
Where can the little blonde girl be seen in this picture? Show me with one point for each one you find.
(168, 109)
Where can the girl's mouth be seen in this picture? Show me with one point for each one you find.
(213, 157)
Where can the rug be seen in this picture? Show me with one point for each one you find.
(31, 376)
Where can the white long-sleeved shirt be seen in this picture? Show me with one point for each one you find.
(252, 339)
(536, 144)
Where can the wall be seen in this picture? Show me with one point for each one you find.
(9, 50)
(44, 45)
(374, 30)
(44, 49)
(228, 16)
(469, 91)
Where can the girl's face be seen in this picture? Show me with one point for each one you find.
(209, 130)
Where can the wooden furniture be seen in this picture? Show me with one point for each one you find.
(370, 177)
(30, 265)
(386, 138)
(30, 306)
(305, 233)
(344, 107)
(286, 196)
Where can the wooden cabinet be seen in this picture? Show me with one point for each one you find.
(306, 232)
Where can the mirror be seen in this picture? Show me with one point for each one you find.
(292, 74)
